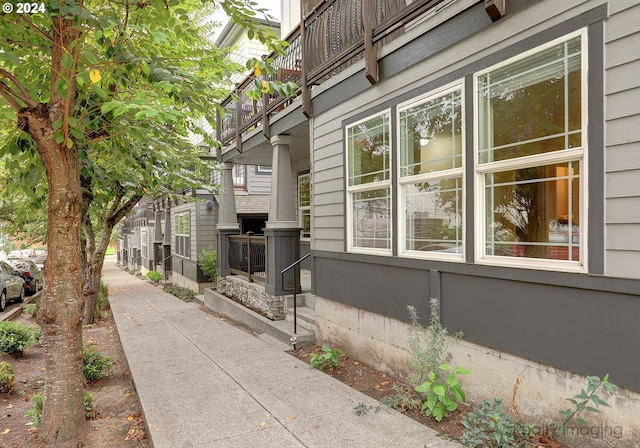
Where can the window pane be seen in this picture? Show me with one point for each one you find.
(433, 216)
(430, 136)
(306, 223)
(304, 190)
(534, 212)
(372, 219)
(532, 106)
(368, 151)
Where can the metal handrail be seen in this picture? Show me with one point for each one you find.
(295, 282)
(164, 271)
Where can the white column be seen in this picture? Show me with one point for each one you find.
(282, 210)
(227, 216)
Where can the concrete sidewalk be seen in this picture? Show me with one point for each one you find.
(205, 383)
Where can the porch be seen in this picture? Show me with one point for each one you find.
(238, 299)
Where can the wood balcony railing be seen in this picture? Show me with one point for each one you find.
(332, 36)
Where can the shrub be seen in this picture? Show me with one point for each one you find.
(489, 426)
(439, 398)
(328, 358)
(429, 350)
(95, 366)
(6, 377)
(15, 337)
(430, 388)
(208, 263)
(181, 292)
(154, 276)
(30, 309)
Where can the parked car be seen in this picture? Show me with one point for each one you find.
(11, 285)
(30, 273)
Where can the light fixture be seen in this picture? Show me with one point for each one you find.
(495, 8)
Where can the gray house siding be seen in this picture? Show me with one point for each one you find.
(258, 183)
(203, 219)
(622, 139)
(499, 307)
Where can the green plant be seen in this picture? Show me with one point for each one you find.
(208, 263)
(6, 377)
(328, 358)
(15, 337)
(429, 349)
(34, 414)
(88, 405)
(489, 426)
(363, 409)
(442, 397)
(132, 272)
(30, 309)
(402, 399)
(95, 365)
(586, 400)
(181, 292)
(154, 276)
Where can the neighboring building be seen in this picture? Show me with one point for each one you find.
(492, 164)
(169, 236)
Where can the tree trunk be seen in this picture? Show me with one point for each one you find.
(93, 274)
(60, 314)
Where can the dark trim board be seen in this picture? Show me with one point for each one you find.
(574, 322)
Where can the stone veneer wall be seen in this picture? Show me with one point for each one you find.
(252, 296)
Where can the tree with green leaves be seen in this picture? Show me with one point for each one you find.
(93, 97)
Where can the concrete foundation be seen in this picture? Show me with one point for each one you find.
(537, 391)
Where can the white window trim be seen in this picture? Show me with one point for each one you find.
(350, 190)
(305, 207)
(445, 174)
(575, 154)
(185, 215)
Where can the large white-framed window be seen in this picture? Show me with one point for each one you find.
(369, 215)
(183, 234)
(531, 150)
(304, 205)
(431, 164)
(144, 242)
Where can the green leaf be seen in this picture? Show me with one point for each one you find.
(90, 57)
(446, 367)
(67, 61)
(59, 137)
(460, 395)
(158, 36)
(598, 401)
(9, 114)
(439, 390)
(10, 57)
(69, 143)
(582, 421)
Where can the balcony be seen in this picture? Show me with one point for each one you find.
(332, 36)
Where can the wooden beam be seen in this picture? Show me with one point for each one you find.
(370, 54)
